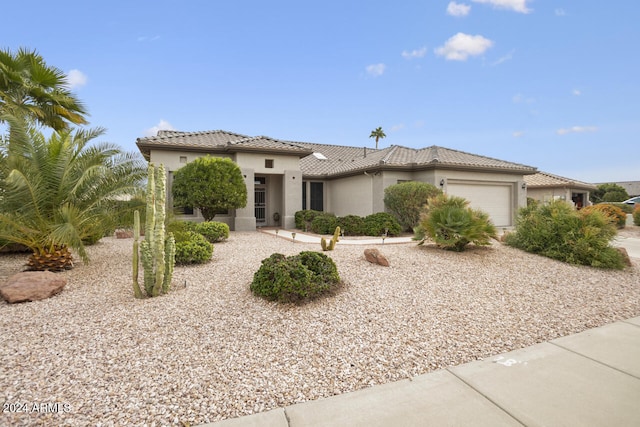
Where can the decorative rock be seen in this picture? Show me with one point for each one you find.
(625, 256)
(374, 256)
(32, 286)
(124, 234)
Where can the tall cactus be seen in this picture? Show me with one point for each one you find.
(137, 292)
(157, 249)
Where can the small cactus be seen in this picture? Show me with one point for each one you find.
(332, 243)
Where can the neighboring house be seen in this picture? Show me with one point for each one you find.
(545, 187)
(284, 176)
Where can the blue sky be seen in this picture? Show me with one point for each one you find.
(549, 84)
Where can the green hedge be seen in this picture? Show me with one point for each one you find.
(352, 225)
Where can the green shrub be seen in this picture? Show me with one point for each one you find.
(324, 223)
(303, 218)
(405, 201)
(614, 213)
(323, 268)
(351, 225)
(636, 215)
(452, 224)
(179, 226)
(213, 231)
(609, 192)
(380, 223)
(558, 231)
(625, 207)
(192, 248)
(295, 278)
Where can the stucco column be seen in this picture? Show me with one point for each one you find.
(521, 196)
(291, 197)
(245, 219)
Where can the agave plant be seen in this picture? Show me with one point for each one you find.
(56, 191)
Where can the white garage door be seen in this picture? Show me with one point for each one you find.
(493, 199)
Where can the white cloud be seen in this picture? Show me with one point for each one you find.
(458, 9)
(162, 125)
(397, 127)
(376, 70)
(518, 133)
(148, 39)
(416, 53)
(518, 98)
(76, 78)
(576, 129)
(560, 12)
(461, 46)
(576, 92)
(502, 59)
(515, 5)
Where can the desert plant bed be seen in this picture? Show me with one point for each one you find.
(210, 349)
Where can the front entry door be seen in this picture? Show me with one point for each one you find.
(260, 204)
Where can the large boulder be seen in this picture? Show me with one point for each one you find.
(32, 286)
(374, 256)
(625, 256)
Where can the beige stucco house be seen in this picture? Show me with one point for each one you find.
(545, 187)
(283, 177)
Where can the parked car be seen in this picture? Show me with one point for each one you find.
(632, 201)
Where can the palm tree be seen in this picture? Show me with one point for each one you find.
(58, 191)
(378, 133)
(32, 90)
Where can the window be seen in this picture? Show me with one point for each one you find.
(317, 196)
(304, 195)
(268, 163)
(183, 159)
(181, 210)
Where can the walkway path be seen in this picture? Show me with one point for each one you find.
(587, 379)
(308, 238)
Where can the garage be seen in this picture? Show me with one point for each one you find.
(492, 198)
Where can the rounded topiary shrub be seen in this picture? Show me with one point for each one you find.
(213, 231)
(180, 226)
(406, 200)
(295, 278)
(192, 248)
(380, 223)
(351, 225)
(324, 223)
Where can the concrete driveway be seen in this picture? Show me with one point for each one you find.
(631, 244)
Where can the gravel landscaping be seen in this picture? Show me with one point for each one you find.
(211, 350)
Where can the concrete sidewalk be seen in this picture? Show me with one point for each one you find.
(587, 379)
(308, 238)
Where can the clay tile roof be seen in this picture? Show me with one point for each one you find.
(544, 179)
(217, 140)
(343, 160)
(331, 160)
